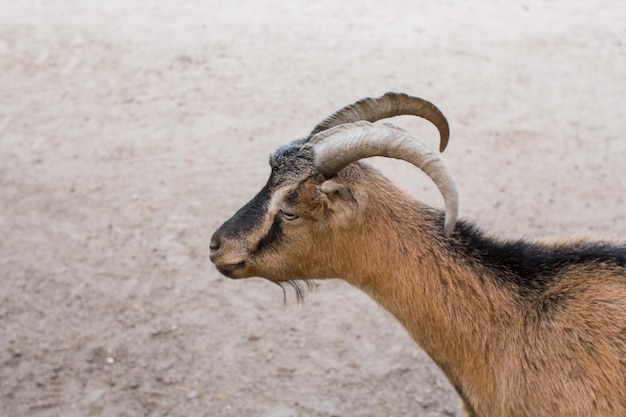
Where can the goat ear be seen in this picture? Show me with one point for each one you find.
(340, 201)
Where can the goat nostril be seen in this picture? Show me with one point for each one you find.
(214, 247)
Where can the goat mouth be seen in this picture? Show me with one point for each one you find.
(230, 269)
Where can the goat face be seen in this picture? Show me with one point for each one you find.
(297, 225)
(282, 233)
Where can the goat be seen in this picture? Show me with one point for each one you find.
(519, 328)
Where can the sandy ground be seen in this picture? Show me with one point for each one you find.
(130, 130)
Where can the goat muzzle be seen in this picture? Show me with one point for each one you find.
(223, 258)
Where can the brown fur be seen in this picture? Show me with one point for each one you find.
(558, 351)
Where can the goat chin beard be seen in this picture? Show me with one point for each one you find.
(300, 287)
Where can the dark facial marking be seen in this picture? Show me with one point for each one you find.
(271, 237)
(247, 217)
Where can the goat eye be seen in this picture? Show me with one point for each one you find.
(288, 216)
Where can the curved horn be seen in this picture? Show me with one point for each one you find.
(389, 105)
(342, 145)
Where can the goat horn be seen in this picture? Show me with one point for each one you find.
(389, 105)
(342, 145)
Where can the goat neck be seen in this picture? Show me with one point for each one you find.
(447, 309)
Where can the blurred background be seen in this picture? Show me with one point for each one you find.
(130, 130)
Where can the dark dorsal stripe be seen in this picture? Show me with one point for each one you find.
(531, 266)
